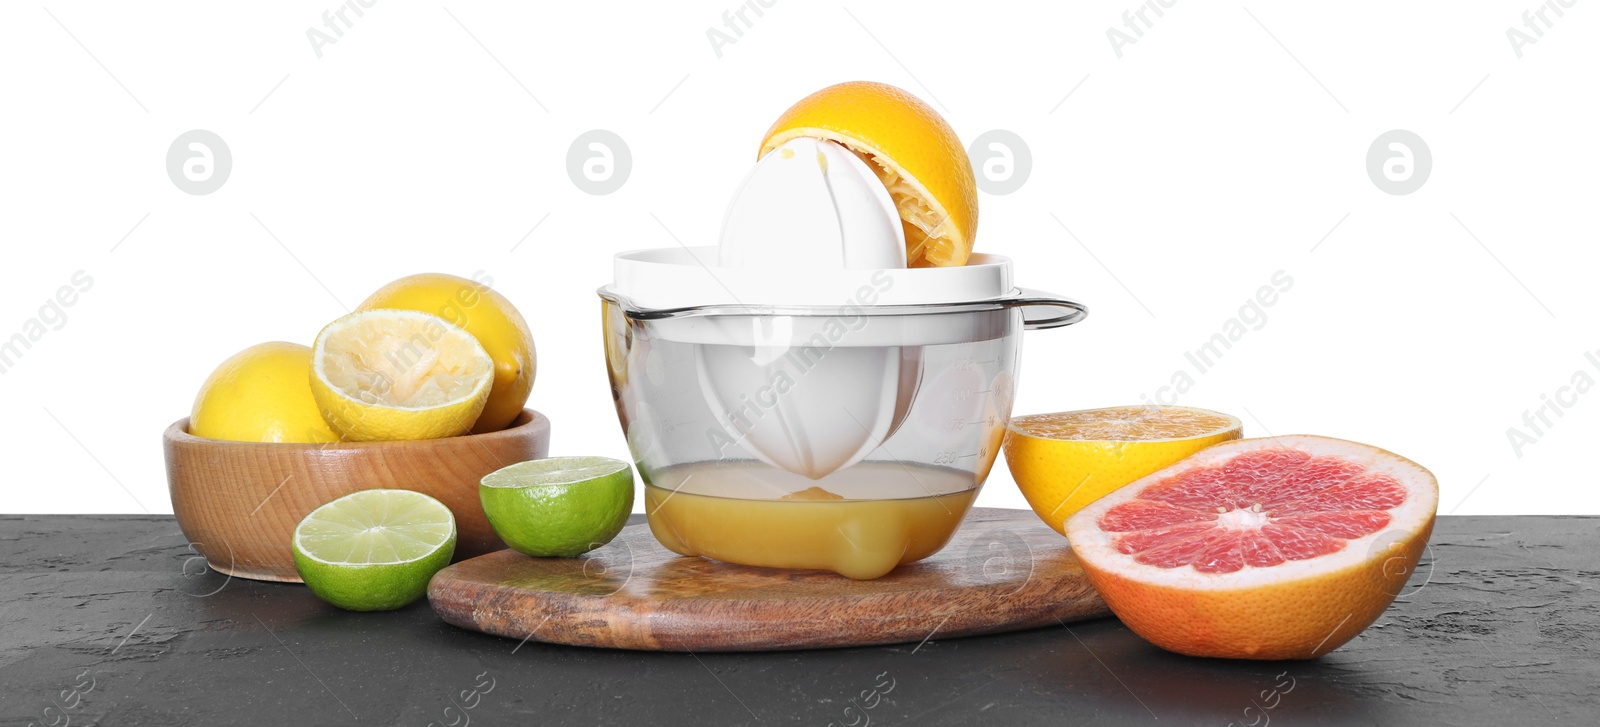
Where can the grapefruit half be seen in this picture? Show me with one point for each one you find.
(1277, 548)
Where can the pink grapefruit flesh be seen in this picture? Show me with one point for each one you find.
(1284, 547)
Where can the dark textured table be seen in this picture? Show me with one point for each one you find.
(109, 620)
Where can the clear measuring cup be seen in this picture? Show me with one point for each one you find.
(702, 435)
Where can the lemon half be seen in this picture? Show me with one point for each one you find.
(490, 318)
(398, 374)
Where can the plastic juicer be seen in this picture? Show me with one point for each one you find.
(796, 397)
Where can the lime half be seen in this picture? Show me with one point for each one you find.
(562, 506)
(374, 550)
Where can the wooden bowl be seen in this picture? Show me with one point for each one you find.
(239, 502)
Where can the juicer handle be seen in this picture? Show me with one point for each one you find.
(1041, 310)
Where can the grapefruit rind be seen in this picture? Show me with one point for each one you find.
(1294, 610)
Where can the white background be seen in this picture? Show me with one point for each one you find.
(1190, 169)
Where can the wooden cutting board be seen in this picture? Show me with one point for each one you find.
(1002, 571)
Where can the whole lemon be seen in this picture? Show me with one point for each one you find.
(490, 318)
(261, 394)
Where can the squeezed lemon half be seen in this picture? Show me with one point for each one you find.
(397, 374)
